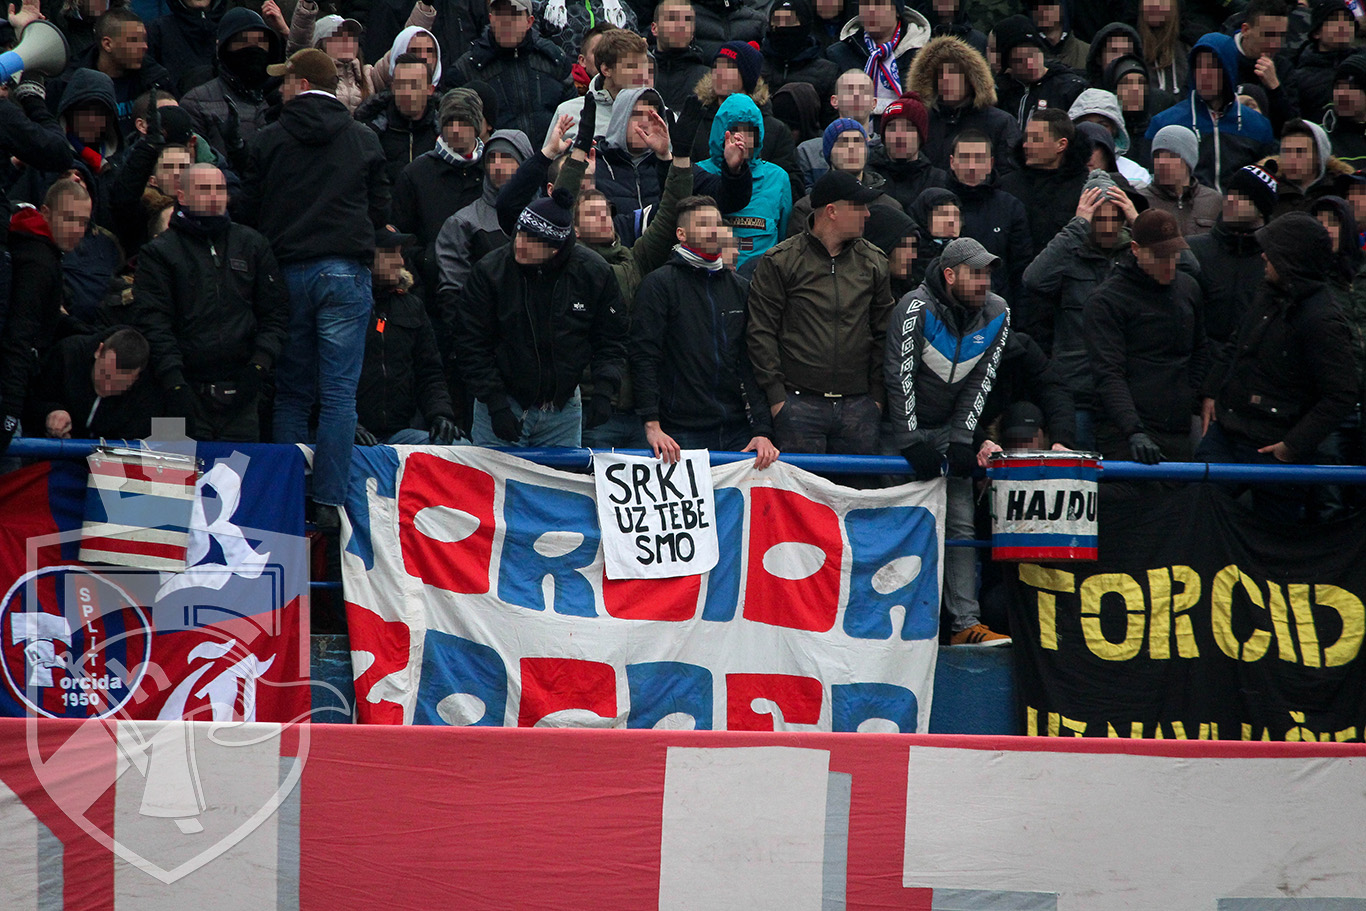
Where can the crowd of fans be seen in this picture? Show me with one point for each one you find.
(847, 226)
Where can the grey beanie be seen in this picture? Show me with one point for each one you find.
(1181, 142)
(1099, 180)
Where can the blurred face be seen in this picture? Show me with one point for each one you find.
(631, 71)
(751, 136)
(106, 376)
(945, 221)
(971, 162)
(726, 79)
(342, 46)
(412, 89)
(203, 191)
(1133, 93)
(500, 167)
(783, 18)
(640, 117)
(849, 153)
(730, 247)
(1239, 210)
(593, 223)
(847, 219)
(701, 230)
(1337, 33)
(1334, 225)
(252, 37)
(1297, 159)
(878, 18)
(1356, 196)
(1170, 171)
(1026, 63)
(170, 165)
(674, 26)
(1156, 12)
(1161, 267)
(388, 266)
(531, 251)
(1048, 17)
(292, 86)
(968, 286)
(89, 123)
(424, 47)
(854, 97)
(127, 47)
(1106, 224)
(68, 222)
(508, 25)
(1208, 77)
(953, 84)
(902, 260)
(901, 139)
(1040, 148)
(1264, 36)
(1115, 47)
(459, 135)
(945, 10)
(1348, 101)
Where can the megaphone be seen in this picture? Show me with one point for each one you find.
(41, 48)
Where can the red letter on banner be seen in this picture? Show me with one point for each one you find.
(461, 500)
(651, 599)
(794, 561)
(551, 685)
(387, 640)
(798, 698)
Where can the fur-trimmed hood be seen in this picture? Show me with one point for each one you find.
(924, 75)
(704, 91)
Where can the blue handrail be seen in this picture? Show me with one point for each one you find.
(580, 459)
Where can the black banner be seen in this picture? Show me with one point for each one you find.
(1200, 620)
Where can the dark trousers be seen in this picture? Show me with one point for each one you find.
(729, 437)
(813, 423)
(1281, 503)
(238, 424)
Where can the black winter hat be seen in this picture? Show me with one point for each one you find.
(1013, 31)
(1353, 70)
(1320, 10)
(550, 219)
(1256, 184)
(887, 227)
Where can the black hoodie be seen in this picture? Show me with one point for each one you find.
(316, 183)
(1050, 197)
(1290, 376)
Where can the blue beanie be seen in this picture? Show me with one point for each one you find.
(832, 132)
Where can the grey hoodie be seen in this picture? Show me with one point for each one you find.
(455, 242)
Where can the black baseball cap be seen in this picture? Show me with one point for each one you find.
(837, 186)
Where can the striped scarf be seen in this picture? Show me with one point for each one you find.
(882, 61)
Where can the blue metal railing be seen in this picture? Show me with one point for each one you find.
(581, 460)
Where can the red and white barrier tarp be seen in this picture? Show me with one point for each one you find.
(163, 816)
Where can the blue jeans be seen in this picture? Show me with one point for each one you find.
(411, 436)
(540, 426)
(329, 307)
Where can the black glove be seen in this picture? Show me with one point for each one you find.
(1144, 449)
(962, 460)
(925, 461)
(181, 403)
(683, 131)
(155, 135)
(7, 430)
(506, 425)
(365, 437)
(249, 381)
(598, 412)
(583, 140)
(443, 431)
(226, 134)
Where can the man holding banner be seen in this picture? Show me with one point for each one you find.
(944, 343)
(697, 391)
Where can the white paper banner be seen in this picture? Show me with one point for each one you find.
(658, 520)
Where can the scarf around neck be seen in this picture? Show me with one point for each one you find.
(452, 157)
(697, 260)
(882, 60)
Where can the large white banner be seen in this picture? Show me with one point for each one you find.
(476, 596)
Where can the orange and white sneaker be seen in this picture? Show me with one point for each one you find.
(978, 635)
